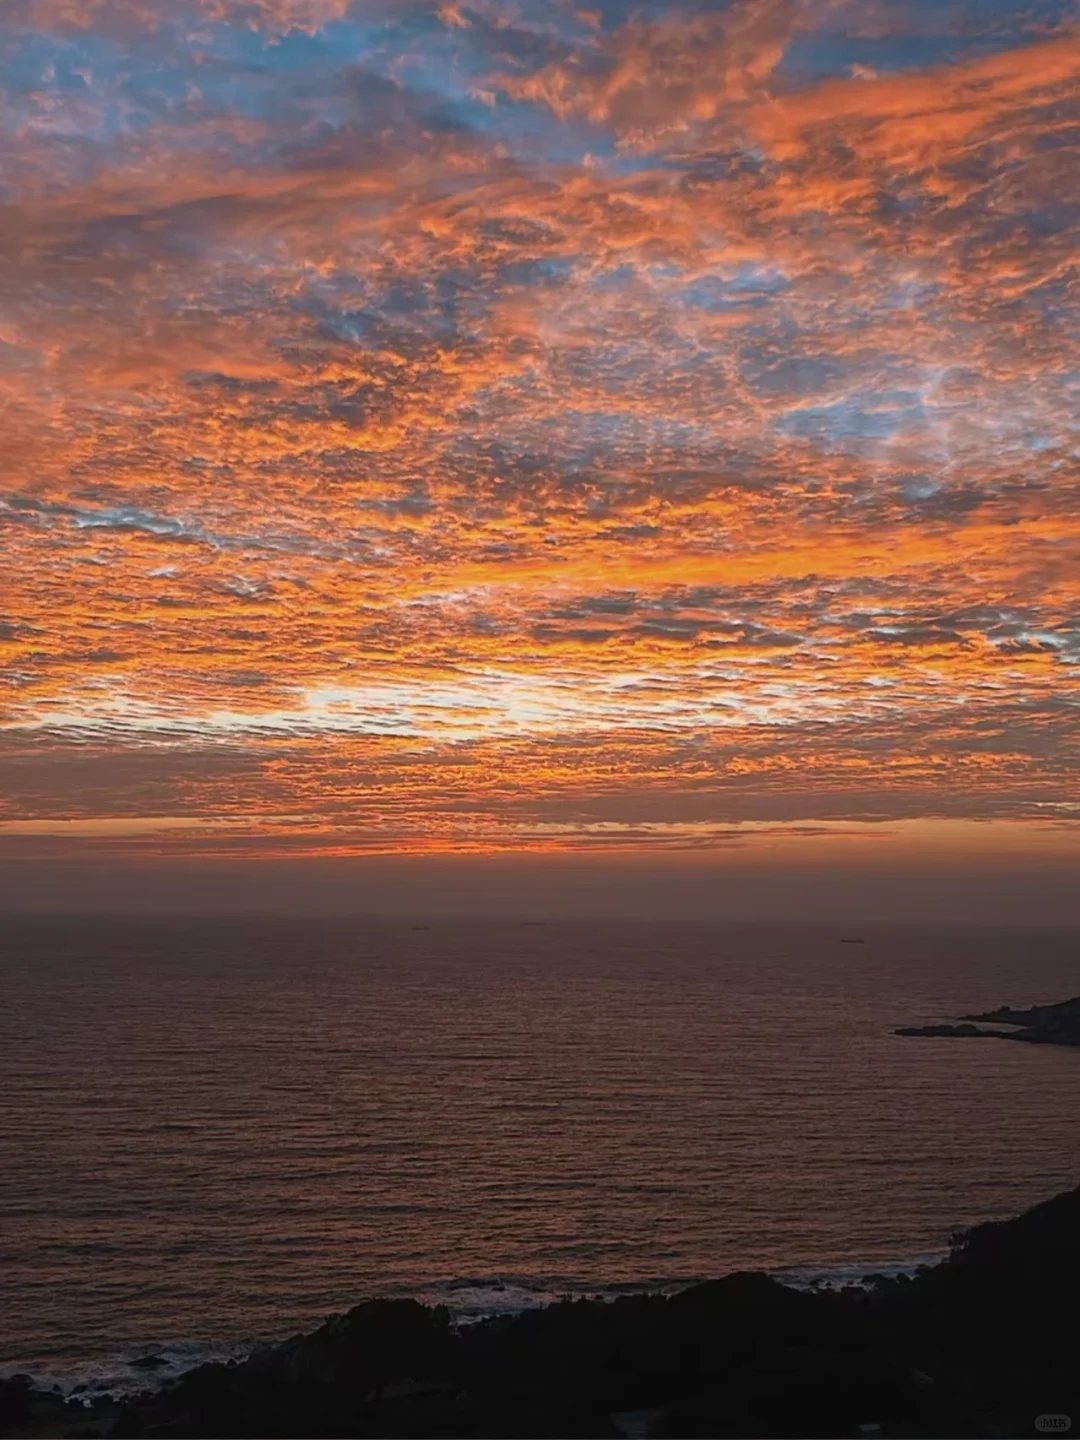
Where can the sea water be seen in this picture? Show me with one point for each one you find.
(220, 1130)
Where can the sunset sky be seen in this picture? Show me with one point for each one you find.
(504, 429)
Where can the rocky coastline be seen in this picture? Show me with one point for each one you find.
(1039, 1025)
(982, 1344)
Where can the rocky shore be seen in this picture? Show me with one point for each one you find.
(1040, 1025)
(981, 1345)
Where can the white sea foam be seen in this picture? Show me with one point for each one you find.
(122, 1376)
(835, 1277)
(468, 1301)
(484, 1299)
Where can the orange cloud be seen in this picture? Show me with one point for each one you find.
(680, 437)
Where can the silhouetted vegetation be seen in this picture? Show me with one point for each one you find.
(977, 1346)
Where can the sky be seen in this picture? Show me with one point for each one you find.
(447, 444)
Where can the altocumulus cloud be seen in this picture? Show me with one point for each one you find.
(510, 426)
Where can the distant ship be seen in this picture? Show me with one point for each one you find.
(534, 922)
(854, 940)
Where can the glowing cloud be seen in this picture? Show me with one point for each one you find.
(460, 426)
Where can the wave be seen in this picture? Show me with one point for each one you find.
(469, 1300)
(836, 1277)
(146, 1368)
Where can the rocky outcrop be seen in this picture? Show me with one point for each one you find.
(1040, 1025)
(979, 1345)
(964, 1032)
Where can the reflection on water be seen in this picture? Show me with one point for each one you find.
(219, 1129)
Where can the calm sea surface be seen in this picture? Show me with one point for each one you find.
(216, 1130)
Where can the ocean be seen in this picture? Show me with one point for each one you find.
(216, 1131)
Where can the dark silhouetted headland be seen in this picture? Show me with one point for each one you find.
(979, 1345)
(1040, 1025)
